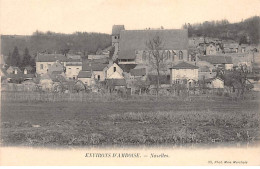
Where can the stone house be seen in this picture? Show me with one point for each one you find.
(44, 61)
(72, 70)
(14, 70)
(86, 77)
(96, 69)
(184, 72)
(215, 83)
(113, 72)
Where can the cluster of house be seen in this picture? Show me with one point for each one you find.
(131, 60)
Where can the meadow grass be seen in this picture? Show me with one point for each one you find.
(139, 128)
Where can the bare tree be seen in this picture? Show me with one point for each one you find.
(157, 57)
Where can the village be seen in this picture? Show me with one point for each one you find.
(127, 66)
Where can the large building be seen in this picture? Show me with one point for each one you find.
(133, 49)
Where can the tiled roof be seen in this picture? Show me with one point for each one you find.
(127, 67)
(84, 74)
(138, 72)
(74, 64)
(50, 58)
(88, 66)
(132, 40)
(214, 59)
(184, 65)
(116, 82)
(73, 60)
(117, 28)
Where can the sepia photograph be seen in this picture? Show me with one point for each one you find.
(140, 82)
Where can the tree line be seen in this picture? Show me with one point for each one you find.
(18, 60)
(51, 42)
(247, 31)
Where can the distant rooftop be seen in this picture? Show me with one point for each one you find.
(184, 65)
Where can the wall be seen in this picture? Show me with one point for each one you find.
(110, 71)
(45, 67)
(182, 74)
(101, 73)
(216, 83)
(86, 81)
(72, 71)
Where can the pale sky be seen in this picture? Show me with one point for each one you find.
(23, 17)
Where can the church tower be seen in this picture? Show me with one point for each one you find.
(115, 38)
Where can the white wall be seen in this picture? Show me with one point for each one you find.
(216, 83)
(110, 72)
(72, 71)
(182, 74)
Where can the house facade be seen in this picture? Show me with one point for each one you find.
(215, 83)
(183, 72)
(114, 72)
(44, 61)
(86, 77)
(72, 70)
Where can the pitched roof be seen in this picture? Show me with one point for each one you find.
(50, 58)
(132, 40)
(214, 59)
(127, 67)
(184, 65)
(116, 82)
(74, 64)
(84, 74)
(117, 28)
(138, 72)
(88, 66)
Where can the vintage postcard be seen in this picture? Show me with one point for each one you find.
(140, 82)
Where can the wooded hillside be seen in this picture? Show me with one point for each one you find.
(55, 42)
(246, 31)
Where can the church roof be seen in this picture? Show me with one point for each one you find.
(117, 28)
(132, 40)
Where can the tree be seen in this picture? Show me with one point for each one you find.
(237, 79)
(15, 58)
(26, 58)
(8, 59)
(156, 57)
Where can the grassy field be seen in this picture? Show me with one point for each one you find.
(129, 122)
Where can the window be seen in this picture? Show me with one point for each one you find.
(180, 55)
(98, 77)
(41, 66)
(77, 68)
(114, 69)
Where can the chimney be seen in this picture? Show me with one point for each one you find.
(15, 71)
(25, 71)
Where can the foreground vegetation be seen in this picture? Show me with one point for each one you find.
(130, 123)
